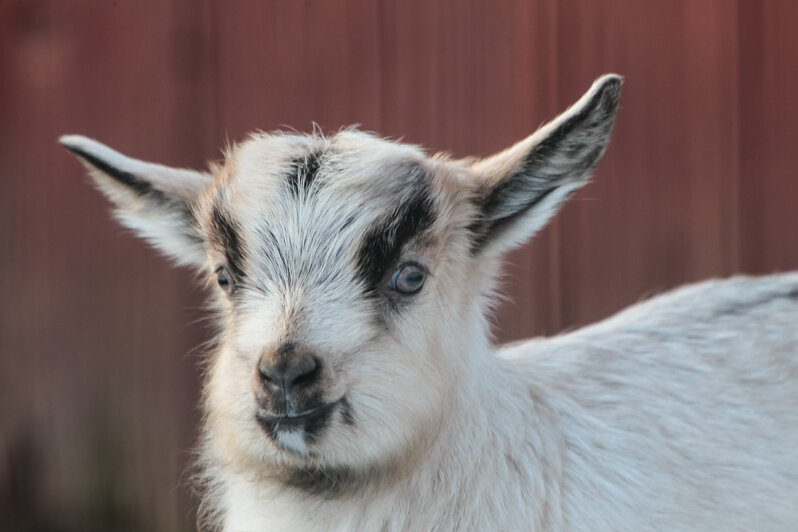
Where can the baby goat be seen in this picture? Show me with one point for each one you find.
(355, 386)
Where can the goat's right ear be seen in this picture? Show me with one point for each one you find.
(154, 200)
(518, 190)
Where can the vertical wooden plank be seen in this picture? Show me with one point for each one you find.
(290, 64)
(769, 114)
(661, 210)
(93, 370)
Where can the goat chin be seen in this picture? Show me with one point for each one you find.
(354, 385)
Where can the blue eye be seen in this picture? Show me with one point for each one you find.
(225, 280)
(408, 279)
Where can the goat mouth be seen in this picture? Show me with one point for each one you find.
(289, 419)
(310, 423)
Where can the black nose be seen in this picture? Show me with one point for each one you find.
(288, 370)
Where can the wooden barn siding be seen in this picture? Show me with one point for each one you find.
(98, 367)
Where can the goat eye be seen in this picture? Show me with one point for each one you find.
(225, 280)
(408, 279)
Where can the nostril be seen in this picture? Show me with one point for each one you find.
(265, 377)
(298, 372)
(268, 373)
(306, 373)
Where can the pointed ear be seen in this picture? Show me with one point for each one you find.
(521, 188)
(155, 201)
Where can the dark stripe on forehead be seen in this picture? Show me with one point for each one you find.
(383, 244)
(303, 172)
(225, 231)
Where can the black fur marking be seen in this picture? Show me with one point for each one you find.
(270, 427)
(534, 179)
(141, 187)
(326, 482)
(303, 172)
(351, 218)
(383, 245)
(484, 229)
(130, 180)
(314, 426)
(346, 412)
(600, 110)
(226, 233)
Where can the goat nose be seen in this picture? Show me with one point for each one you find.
(288, 373)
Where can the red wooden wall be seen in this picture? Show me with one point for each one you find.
(98, 378)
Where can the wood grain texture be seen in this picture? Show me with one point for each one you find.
(98, 376)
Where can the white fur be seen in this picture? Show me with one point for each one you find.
(680, 413)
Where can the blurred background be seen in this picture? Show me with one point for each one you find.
(99, 335)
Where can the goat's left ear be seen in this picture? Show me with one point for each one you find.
(521, 188)
(154, 200)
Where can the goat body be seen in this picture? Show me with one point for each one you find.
(677, 414)
(355, 387)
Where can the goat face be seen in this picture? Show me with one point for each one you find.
(331, 255)
(352, 275)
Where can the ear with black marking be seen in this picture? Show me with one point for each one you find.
(521, 188)
(154, 200)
